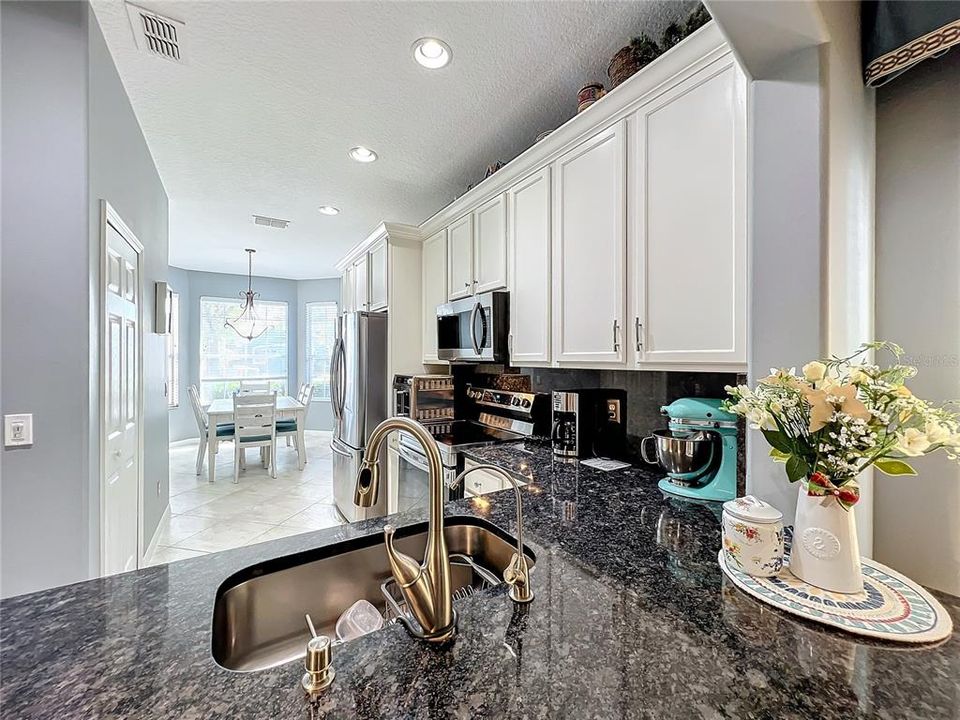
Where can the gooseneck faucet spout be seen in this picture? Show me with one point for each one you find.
(425, 586)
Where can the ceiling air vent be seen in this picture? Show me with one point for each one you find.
(156, 34)
(270, 222)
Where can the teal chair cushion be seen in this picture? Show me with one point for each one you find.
(255, 438)
(286, 425)
(225, 430)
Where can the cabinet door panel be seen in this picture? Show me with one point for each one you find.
(361, 287)
(347, 291)
(529, 234)
(691, 233)
(434, 272)
(377, 261)
(460, 258)
(490, 245)
(590, 251)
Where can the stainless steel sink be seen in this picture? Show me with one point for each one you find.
(258, 617)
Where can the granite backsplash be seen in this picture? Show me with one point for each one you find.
(647, 391)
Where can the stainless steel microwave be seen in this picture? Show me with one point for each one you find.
(474, 329)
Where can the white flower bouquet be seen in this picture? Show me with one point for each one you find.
(842, 416)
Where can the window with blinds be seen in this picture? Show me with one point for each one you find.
(226, 358)
(321, 331)
(173, 353)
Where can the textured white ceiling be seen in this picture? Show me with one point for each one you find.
(271, 96)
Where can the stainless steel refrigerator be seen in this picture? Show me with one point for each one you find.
(358, 391)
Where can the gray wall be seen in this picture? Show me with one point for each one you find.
(320, 416)
(69, 139)
(181, 422)
(917, 520)
(44, 497)
(122, 172)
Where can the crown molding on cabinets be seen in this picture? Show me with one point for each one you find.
(702, 48)
(398, 233)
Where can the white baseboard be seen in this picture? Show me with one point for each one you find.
(156, 535)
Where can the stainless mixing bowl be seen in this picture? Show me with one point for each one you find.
(685, 456)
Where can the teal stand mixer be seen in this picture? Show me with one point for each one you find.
(698, 450)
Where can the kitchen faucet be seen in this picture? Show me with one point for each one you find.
(425, 586)
(517, 574)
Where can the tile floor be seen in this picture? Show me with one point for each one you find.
(206, 518)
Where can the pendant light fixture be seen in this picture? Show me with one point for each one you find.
(247, 325)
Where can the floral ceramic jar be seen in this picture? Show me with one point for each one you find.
(753, 536)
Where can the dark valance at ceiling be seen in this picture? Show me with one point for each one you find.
(897, 34)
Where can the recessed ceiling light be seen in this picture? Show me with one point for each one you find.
(431, 52)
(362, 154)
(329, 210)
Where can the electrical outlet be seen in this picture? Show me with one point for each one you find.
(18, 430)
(613, 410)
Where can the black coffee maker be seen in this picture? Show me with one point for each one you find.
(589, 423)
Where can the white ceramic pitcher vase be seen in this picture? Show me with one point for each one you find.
(825, 550)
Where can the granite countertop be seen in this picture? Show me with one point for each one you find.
(628, 622)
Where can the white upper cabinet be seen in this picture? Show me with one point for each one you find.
(460, 258)
(530, 269)
(347, 291)
(434, 272)
(589, 251)
(688, 242)
(490, 245)
(361, 287)
(377, 269)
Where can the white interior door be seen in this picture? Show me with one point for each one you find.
(120, 410)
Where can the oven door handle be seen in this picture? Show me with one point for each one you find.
(414, 458)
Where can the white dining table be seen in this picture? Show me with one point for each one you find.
(221, 411)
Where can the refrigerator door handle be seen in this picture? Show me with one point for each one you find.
(341, 385)
(334, 382)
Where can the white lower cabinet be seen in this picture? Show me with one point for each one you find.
(688, 245)
(589, 251)
(481, 482)
(530, 269)
(434, 274)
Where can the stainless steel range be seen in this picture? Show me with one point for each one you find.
(501, 416)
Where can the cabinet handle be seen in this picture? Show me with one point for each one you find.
(466, 284)
(616, 335)
(638, 326)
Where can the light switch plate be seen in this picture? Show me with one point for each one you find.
(17, 430)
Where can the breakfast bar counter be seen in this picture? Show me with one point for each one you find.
(632, 618)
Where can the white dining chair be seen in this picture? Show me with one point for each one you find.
(255, 386)
(255, 425)
(224, 430)
(287, 427)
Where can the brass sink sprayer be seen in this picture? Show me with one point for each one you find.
(426, 586)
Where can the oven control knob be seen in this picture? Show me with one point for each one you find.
(515, 401)
(525, 403)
